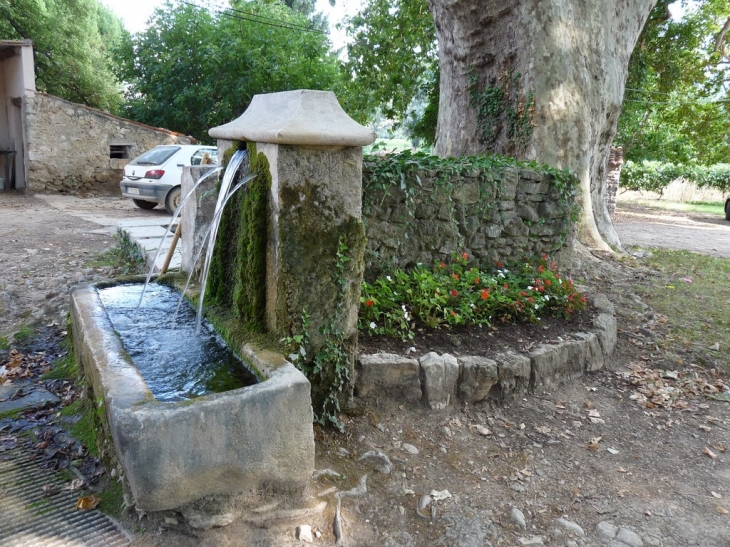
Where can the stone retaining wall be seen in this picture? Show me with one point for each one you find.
(494, 214)
(68, 145)
(438, 380)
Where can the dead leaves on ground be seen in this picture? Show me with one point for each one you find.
(655, 388)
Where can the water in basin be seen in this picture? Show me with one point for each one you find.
(175, 363)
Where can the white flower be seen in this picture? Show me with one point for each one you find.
(500, 274)
(547, 297)
(388, 278)
(529, 287)
(372, 324)
(537, 307)
(472, 306)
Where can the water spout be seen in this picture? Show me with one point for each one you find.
(216, 220)
(175, 215)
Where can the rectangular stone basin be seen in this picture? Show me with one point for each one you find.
(257, 438)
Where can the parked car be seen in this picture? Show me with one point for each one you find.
(153, 178)
(727, 209)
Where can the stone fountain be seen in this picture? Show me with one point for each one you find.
(254, 442)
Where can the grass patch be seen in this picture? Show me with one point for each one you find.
(112, 499)
(63, 368)
(11, 414)
(24, 335)
(685, 207)
(693, 291)
(4, 343)
(86, 429)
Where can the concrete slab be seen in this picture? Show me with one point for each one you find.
(23, 395)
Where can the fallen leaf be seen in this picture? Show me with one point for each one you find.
(705, 428)
(722, 510)
(716, 495)
(545, 430)
(720, 447)
(593, 413)
(87, 503)
(438, 495)
(709, 453)
(612, 450)
(588, 405)
(621, 470)
(593, 443)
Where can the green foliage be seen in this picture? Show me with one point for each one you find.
(193, 69)
(392, 61)
(673, 109)
(654, 176)
(501, 106)
(73, 43)
(460, 294)
(237, 279)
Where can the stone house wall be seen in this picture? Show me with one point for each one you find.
(491, 214)
(68, 145)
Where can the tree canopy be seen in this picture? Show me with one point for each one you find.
(677, 102)
(72, 43)
(193, 69)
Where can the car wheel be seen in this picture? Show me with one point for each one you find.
(727, 209)
(142, 204)
(173, 200)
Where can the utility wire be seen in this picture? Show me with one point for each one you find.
(255, 18)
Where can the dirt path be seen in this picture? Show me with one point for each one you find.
(539, 478)
(649, 227)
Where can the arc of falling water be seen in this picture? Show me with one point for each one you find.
(233, 166)
(231, 170)
(216, 218)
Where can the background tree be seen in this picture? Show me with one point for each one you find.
(193, 69)
(72, 44)
(676, 105)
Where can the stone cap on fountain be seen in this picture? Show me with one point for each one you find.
(302, 117)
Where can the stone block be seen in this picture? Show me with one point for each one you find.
(594, 358)
(603, 304)
(526, 212)
(575, 357)
(466, 193)
(548, 362)
(605, 326)
(384, 374)
(508, 189)
(550, 209)
(514, 370)
(477, 378)
(439, 374)
(528, 174)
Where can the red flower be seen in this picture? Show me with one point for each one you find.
(485, 294)
(453, 313)
(531, 300)
(548, 282)
(583, 299)
(523, 293)
(454, 293)
(541, 268)
(476, 281)
(506, 286)
(544, 256)
(442, 265)
(369, 303)
(499, 264)
(541, 289)
(464, 256)
(456, 276)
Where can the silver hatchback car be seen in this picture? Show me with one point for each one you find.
(153, 178)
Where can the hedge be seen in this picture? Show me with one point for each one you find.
(654, 176)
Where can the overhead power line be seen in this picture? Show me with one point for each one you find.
(242, 15)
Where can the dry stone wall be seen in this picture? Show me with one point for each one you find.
(492, 214)
(68, 145)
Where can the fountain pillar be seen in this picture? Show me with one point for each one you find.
(316, 238)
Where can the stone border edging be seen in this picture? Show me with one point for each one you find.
(437, 380)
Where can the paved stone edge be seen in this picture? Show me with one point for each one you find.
(439, 380)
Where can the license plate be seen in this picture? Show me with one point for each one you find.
(133, 191)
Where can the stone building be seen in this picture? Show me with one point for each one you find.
(48, 144)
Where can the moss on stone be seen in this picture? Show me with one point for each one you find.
(237, 279)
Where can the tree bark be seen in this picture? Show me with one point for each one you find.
(569, 57)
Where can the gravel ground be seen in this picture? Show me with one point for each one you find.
(547, 474)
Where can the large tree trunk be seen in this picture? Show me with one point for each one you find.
(561, 65)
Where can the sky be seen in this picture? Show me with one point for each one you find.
(135, 13)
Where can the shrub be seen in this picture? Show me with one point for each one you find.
(654, 176)
(457, 294)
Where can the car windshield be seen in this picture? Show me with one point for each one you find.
(156, 156)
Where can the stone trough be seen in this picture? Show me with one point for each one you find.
(252, 439)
